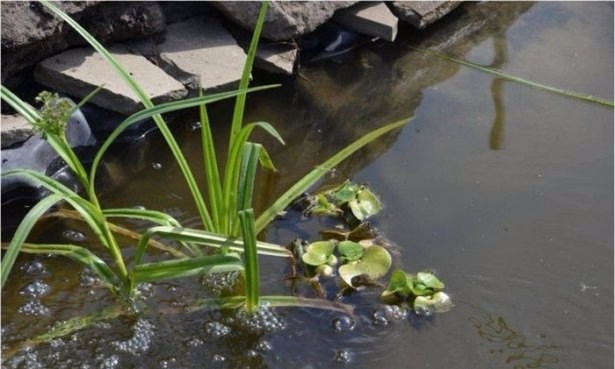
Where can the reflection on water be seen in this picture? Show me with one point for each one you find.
(517, 350)
(500, 48)
(525, 233)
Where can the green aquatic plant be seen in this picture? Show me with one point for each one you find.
(423, 289)
(229, 216)
(359, 200)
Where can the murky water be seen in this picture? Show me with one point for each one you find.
(506, 191)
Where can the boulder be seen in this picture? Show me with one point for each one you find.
(422, 13)
(285, 19)
(31, 33)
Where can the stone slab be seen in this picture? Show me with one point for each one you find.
(201, 48)
(15, 129)
(77, 72)
(276, 57)
(422, 13)
(373, 19)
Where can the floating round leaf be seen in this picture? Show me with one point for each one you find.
(350, 251)
(429, 280)
(346, 192)
(365, 204)
(398, 284)
(318, 253)
(375, 263)
(440, 302)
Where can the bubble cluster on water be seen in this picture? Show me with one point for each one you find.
(262, 320)
(196, 125)
(33, 307)
(168, 363)
(342, 356)
(140, 341)
(217, 329)
(157, 166)
(217, 358)
(35, 268)
(264, 346)
(195, 342)
(218, 282)
(343, 323)
(145, 290)
(110, 362)
(27, 360)
(385, 314)
(87, 278)
(73, 235)
(35, 289)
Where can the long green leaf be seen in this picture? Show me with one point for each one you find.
(314, 176)
(247, 175)
(66, 327)
(142, 214)
(233, 168)
(170, 269)
(79, 254)
(24, 109)
(210, 163)
(156, 110)
(91, 214)
(205, 238)
(147, 103)
(235, 302)
(250, 255)
(509, 77)
(125, 232)
(240, 102)
(22, 232)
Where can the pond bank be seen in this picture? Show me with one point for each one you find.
(172, 45)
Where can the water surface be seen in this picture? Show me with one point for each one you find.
(505, 191)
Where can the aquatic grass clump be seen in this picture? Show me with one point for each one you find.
(228, 217)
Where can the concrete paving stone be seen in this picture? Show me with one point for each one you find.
(201, 48)
(77, 72)
(373, 19)
(15, 129)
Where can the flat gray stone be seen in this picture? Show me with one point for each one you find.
(422, 13)
(276, 57)
(373, 19)
(77, 72)
(200, 48)
(15, 129)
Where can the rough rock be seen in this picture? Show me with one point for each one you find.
(77, 72)
(31, 33)
(285, 19)
(422, 13)
(200, 48)
(15, 129)
(373, 19)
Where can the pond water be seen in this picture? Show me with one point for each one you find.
(504, 190)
